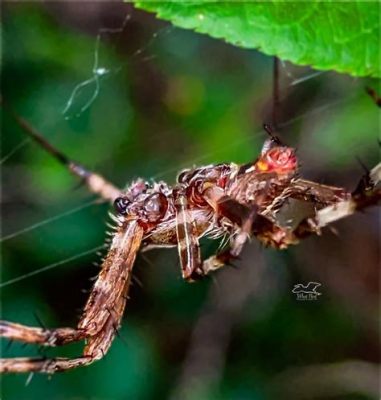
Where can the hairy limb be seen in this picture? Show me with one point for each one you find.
(101, 316)
(216, 261)
(325, 195)
(97, 346)
(95, 183)
(41, 336)
(241, 215)
(187, 240)
(186, 230)
(116, 271)
(308, 191)
(366, 194)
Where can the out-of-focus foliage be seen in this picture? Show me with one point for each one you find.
(173, 99)
(325, 35)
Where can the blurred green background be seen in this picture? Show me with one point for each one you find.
(164, 99)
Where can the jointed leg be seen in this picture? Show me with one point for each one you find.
(41, 336)
(301, 189)
(243, 216)
(95, 349)
(249, 223)
(187, 241)
(217, 261)
(94, 182)
(101, 317)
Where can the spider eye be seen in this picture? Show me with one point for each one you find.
(183, 176)
(155, 207)
(121, 204)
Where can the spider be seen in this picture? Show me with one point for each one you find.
(217, 201)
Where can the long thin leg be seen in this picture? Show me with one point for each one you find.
(250, 222)
(95, 349)
(217, 261)
(41, 336)
(116, 271)
(94, 182)
(302, 189)
(241, 215)
(101, 316)
(188, 246)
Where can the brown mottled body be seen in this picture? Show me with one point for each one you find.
(214, 201)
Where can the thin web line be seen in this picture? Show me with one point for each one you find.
(23, 143)
(100, 72)
(309, 113)
(51, 266)
(317, 110)
(306, 78)
(48, 220)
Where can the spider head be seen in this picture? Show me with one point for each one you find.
(154, 208)
(148, 209)
(122, 205)
(279, 159)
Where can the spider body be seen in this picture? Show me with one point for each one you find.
(208, 201)
(228, 200)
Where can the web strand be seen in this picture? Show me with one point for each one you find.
(48, 220)
(18, 147)
(99, 72)
(51, 266)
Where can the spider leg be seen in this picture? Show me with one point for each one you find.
(324, 195)
(95, 183)
(187, 241)
(243, 216)
(240, 214)
(97, 346)
(101, 316)
(250, 223)
(218, 260)
(115, 273)
(41, 336)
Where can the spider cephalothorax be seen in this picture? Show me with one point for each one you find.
(147, 203)
(235, 201)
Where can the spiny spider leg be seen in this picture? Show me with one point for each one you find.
(242, 215)
(41, 336)
(308, 191)
(323, 195)
(101, 316)
(95, 349)
(252, 223)
(116, 271)
(187, 240)
(95, 183)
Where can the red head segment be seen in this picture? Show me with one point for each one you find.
(277, 158)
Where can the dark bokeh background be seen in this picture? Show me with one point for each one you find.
(172, 99)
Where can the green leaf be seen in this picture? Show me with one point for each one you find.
(341, 36)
